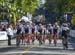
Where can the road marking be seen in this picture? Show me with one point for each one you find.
(41, 52)
(51, 52)
(25, 51)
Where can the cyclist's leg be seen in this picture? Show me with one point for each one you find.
(43, 39)
(28, 39)
(63, 42)
(33, 38)
(63, 39)
(66, 42)
(22, 37)
(18, 40)
(49, 38)
(55, 39)
(40, 39)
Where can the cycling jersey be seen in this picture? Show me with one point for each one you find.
(65, 31)
(18, 29)
(22, 29)
(50, 28)
(40, 29)
(26, 29)
(55, 29)
(33, 30)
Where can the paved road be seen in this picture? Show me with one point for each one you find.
(35, 49)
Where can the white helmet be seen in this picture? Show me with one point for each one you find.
(56, 23)
(50, 24)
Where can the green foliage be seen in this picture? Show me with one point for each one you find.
(18, 3)
(49, 5)
(23, 5)
(60, 5)
(29, 5)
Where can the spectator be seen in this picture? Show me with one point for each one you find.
(9, 33)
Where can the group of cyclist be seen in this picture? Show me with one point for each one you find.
(41, 32)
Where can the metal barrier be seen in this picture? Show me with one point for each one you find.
(72, 33)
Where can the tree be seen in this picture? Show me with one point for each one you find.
(23, 5)
(29, 5)
(71, 5)
(50, 5)
(60, 5)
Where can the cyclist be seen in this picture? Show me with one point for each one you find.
(22, 33)
(65, 31)
(33, 33)
(18, 28)
(40, 30)
(43, 34)
(27, 38)
(50, 31)
(55, 33)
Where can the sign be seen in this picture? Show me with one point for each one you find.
(3, 35)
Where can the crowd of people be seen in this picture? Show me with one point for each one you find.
(27, 32)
